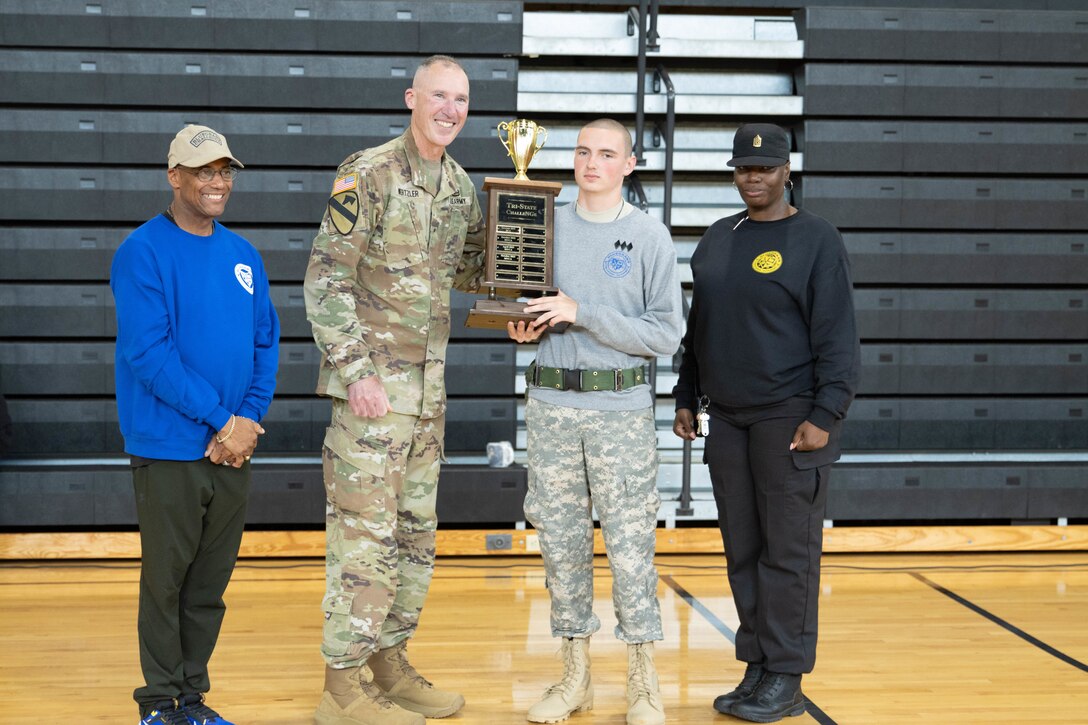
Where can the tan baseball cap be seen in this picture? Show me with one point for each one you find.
(197, 146)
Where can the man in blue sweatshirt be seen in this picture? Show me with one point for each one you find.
(196, 357)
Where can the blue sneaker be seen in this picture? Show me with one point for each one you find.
(165, 713)
(197, 713)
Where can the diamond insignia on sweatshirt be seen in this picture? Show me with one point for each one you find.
(245, 276)
(624, 245)
(767, 262)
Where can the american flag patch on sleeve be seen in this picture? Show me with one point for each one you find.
(345, 183)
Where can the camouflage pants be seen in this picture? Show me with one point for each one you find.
(381, 483)
(585, 459)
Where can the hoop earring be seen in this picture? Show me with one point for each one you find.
(790, 187)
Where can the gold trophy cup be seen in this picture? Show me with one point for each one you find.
(520, 233)
(523, 139)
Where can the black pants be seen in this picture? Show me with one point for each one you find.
(770, 511)
(191, 516)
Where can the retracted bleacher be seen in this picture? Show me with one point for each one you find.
(92, 94)
(949, 144)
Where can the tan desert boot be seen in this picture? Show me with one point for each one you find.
(644, 706)
(573, 693)
(401, 684)
(351, 698)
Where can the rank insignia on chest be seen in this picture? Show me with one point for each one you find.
(767, 262)
(344, 211)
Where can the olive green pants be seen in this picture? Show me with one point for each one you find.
(191, 516)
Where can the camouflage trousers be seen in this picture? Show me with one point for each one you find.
(580, 460)
(381, 484)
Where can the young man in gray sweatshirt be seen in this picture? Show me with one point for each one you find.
(592, 439)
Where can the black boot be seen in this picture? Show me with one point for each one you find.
(777, 696)
(752, 675)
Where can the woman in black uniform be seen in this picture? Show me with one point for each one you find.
(770, 363)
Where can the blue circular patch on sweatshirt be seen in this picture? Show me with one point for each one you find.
(617, 264)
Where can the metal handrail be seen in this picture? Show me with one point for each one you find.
(640, 91)
(684, 507)
(652, 37)
(662, 75)
(647, 40)
(636, 191)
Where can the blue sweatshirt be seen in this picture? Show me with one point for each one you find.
(197, 337)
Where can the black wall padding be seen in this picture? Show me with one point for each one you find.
(944, 91)
(96, 495)
(58, 253)
(207, 80)
(982, 314)
(968, 258)
(87, 310)
(943, 147)
(72, 253)
(933, 491)
(261, 140)
(405, 26)
(40, 310)
(75, 426)
(58, 497)
(56, 368)
(102, 195)
(889, 202)
(926, 368)
(86, 368)
(970, 36)
(966, 424)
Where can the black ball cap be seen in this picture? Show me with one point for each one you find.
(760, 144)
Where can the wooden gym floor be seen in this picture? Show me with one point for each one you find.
(936, 638)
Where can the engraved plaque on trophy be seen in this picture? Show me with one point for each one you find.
(520, 226)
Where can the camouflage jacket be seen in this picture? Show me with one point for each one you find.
(391, 245)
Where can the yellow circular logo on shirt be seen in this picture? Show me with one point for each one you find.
(767, 262)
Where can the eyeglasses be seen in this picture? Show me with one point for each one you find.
(207, 173)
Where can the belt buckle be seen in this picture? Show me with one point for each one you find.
(618, 372)
(572, 379)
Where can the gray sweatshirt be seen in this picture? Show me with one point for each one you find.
(623, 276)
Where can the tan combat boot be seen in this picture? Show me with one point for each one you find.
(351, 698)
(644, 706)
(573, 693)
(403, 685)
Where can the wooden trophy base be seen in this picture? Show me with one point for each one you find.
(494, 314)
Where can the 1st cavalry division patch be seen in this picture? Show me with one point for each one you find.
(767, 262)
(344, 211)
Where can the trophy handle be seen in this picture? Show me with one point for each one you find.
(505, 126)
(541, 137)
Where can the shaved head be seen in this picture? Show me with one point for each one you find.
(609, 124)
(444, 60)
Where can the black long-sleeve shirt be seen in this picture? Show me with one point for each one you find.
(772, 317)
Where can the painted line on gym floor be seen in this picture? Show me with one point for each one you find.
(810, 707)
(700, 608)
(817, 714)
(1002, 623)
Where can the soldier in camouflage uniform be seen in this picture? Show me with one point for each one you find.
(592, 440)
(402, 227)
